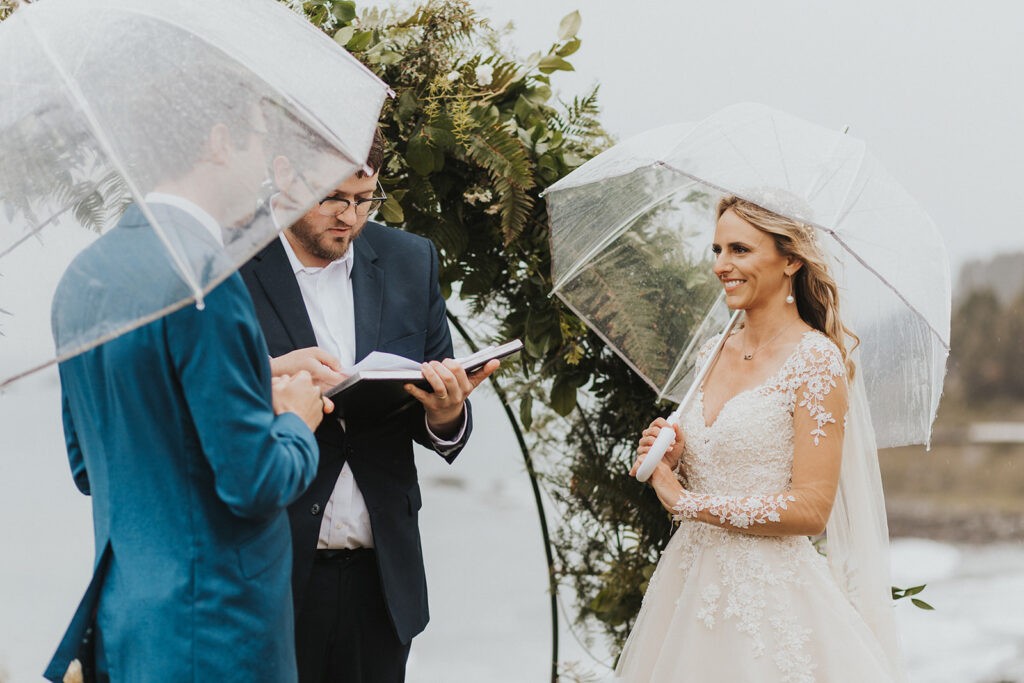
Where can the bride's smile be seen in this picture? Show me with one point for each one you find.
(749, 266)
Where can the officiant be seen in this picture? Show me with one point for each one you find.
(333, 288)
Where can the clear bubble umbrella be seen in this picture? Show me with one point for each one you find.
(155, 108)
(631, 232)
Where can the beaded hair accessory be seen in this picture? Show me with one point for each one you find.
(810, 232)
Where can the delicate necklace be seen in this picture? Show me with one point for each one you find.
(749, 356)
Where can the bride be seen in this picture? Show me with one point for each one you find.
(776, 446)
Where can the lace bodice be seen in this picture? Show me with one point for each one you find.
(740, 466)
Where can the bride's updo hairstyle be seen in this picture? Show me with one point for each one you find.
(815, 291)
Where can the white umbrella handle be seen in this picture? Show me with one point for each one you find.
(667, 435)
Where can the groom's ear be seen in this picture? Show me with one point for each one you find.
(218, 145)
(284, 173)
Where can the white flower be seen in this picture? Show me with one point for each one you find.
(474, 195)
(453, 76)
(484, 74)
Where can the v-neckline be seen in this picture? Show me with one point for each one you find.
(769, 378)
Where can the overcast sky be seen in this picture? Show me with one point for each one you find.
(936, 89)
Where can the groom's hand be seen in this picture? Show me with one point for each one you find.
(452, 386)
(297, 394)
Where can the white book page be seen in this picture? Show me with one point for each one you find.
(378, 360)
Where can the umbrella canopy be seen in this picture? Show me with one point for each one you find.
(175, 109)
(631, 232)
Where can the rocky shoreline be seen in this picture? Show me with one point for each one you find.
(921, 519)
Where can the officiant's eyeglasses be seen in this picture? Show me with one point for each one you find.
(333, 206)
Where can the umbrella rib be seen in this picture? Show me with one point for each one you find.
(33, 232)
(694, 338)
(79, 98)
(782, 157)
(601, 244)
(838, 239)
(134, 325)
(608, 342)
(844, 206)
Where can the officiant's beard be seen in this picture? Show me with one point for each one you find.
(321, 242)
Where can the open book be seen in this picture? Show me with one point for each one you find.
(375, 389)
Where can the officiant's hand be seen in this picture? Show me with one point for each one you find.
(647, 439)
(452, 386)
(324, 368)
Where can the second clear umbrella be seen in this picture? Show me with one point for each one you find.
(631, 232)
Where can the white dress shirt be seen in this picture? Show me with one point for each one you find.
(327, 293)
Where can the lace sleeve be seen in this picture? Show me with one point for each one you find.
(820, 396)
(818, 372)
(705, 351)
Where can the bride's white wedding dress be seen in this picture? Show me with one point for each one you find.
(725, 606)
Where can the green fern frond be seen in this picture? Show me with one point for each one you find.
(515, 205)
(501, 154)
(580, 118)
(450, 238)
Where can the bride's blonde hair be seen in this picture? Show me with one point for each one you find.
(815, 291)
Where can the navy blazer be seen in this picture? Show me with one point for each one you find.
(398, 309)
(170, 428)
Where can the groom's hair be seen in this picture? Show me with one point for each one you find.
(375, 158)
(170, 109)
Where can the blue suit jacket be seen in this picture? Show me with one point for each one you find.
(398, 309)
(170, 429)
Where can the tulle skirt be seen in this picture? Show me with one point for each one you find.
(724, 606)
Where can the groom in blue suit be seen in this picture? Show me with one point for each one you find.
(332, 289)
(188, 452)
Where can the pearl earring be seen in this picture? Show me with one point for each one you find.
(789, 298)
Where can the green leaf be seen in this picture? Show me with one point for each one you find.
(344, 11)
(420, 155)
(554, 63)
(526, 411)
(391, 211)
(538, 95)
(359, 41)
(524, 110)
(569, 26)
(921, 603)
(407, 105)
(389, 57)
(343, 35)
(563, 396)
(441, 137)
(534, 347)
(569, 48)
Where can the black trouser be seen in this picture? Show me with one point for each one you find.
(343, 633)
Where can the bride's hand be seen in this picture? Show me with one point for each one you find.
(674, 452)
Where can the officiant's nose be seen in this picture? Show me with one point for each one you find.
(349, 216)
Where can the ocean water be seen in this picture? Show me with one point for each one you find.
(490, 610)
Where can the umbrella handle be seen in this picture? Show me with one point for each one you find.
(668, 435)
